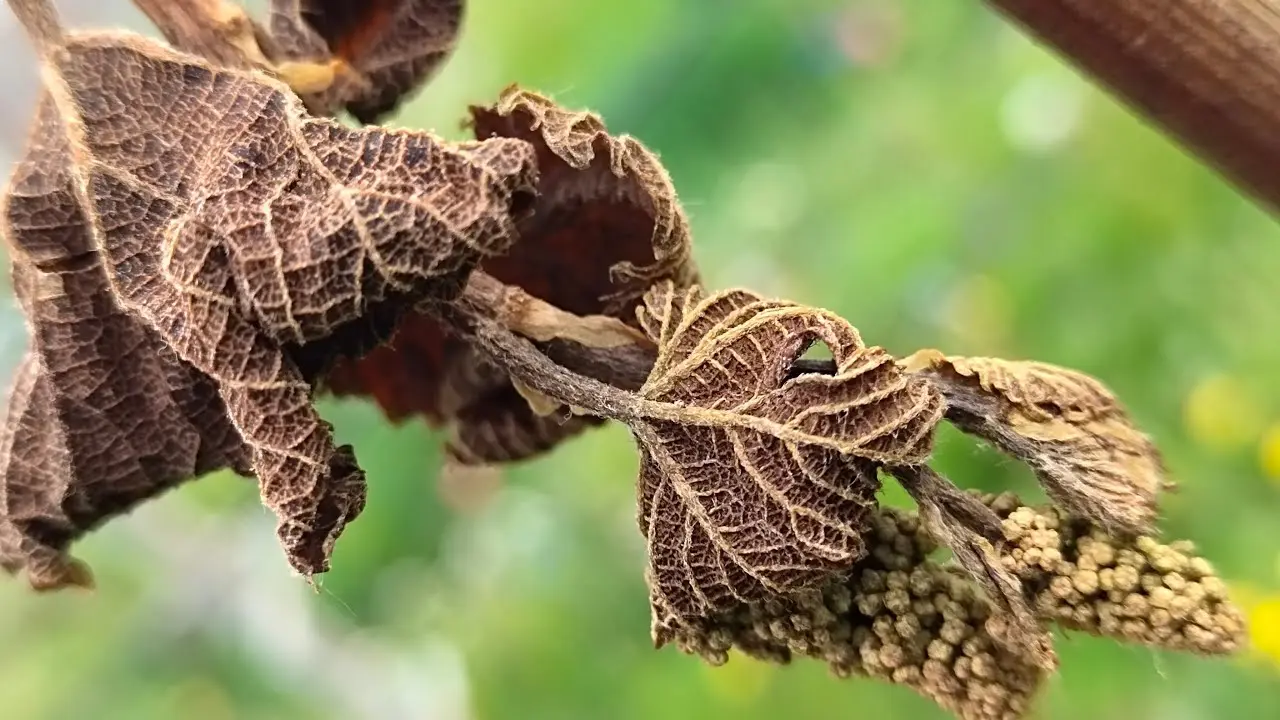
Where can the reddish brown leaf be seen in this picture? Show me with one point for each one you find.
(102, 414)
(605, 225)
(388, 48)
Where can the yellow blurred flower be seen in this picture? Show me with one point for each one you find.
(980, 314)
(1269, 452)
(1264, 628)
(1261, 607)
(1221, 413)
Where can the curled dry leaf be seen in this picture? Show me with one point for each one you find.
(607, 215)
(605, 225)
(754, 483)
(102, 415)
(543, 322)
(366, 56)
(1066, 425)
(257, 242)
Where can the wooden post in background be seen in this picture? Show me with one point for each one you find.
(1207, 72)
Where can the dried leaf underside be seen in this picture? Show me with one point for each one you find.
(606, 224)
(1068, 427)
(754, 483)
(102, 414)
(255, 241)
(364, 56)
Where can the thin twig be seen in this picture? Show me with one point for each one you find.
(1207, 72)
(625, 367)
(476, 315)
(216, 30)
(41, 21)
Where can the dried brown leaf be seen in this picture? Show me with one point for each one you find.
(1066, 425)
(257, 242)
(385, 50)
(606, 224)
(542, 322)
(102, 415)
(754, 483)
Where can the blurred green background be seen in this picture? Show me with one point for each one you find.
(915, 165)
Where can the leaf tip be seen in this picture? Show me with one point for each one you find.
(68, 572)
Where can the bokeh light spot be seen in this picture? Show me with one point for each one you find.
(1269, 450)
(979, 314)
(1264, 628)
(1221, 413)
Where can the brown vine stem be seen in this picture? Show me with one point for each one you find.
(484, 312)
(600, 379)
(42, 23)
(1207, 72)
(479, 315)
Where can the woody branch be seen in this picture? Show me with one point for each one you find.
(1206, 72)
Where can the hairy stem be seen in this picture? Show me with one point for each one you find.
(1205, 71)
(41, 21)
(624, 366)
(216, 30)
(477, 315)
(926, 486)
(597, 379)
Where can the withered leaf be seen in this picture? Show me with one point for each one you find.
(257, 242)
(490, 422)
(753, 483)
(1067, 426)
(102, 415)
(386, 49)
(606, 224)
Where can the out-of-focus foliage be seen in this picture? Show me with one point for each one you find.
(918, 167)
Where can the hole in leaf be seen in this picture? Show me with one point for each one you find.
(817, 351)
(815, 359)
